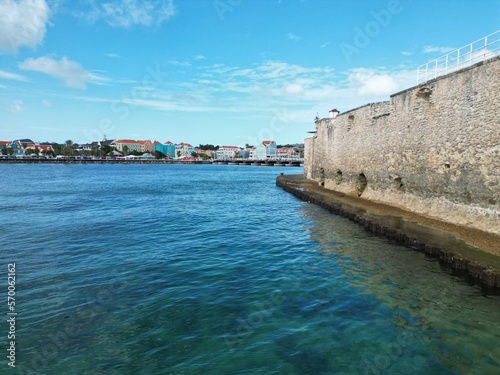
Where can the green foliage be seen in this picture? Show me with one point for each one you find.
(205, 156)
(106, 150)
(208, 147)
(159, 155)
(58, 149)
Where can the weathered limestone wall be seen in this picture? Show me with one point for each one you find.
(433, 149)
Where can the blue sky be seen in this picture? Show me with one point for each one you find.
(226, 72)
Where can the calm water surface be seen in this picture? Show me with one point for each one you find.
(178, 269)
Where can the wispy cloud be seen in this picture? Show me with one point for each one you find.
(434, 49)
(179, 63)
(23, 23)
(259, 89)
(16, 106)
(199, 57)
(112, 55)
(293, 37)
(128, 13)
(12, 76)
(326, 44)
(406, 53)
(47, 103)
(70, 72)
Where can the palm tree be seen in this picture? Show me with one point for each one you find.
(68, 147)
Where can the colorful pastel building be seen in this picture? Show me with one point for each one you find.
(133, 145)
(167, 148)
(183, 149)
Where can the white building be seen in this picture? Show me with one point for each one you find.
(287, 154)
(228, 152)
(265, 150)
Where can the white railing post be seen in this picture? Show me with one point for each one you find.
(485, 45)
(483, 42)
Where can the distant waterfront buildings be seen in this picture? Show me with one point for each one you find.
(265, 150)
(121, 147)
(183, 150)
(227, 152)
(167, 148)
(287, 154)
(24, 147)
(131, 145)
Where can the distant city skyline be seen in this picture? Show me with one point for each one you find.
(219, 72)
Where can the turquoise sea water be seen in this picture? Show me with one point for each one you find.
(179, 269)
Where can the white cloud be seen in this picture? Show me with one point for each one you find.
(112, 55)
(16, 106)
(433, 49)
(294, 89)
(128, 13)
(406, 53)
(325, 44)
(12, 76)
(199, 57)
(22, 24)
(71, 72)
(374, 83)
(46, 103)
(293, 37)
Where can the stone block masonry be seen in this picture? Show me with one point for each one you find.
(433, 149)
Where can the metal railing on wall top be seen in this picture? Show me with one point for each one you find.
(480, 50)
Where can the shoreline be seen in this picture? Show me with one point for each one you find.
(468, 251)
(276, 163)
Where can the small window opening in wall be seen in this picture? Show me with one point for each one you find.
(361, 184)
(322, 176)
(447, 165)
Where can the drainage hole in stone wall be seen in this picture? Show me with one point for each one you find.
(361, 184)
(322, 176)
(339, 176)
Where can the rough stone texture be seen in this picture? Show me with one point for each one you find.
(433, 149)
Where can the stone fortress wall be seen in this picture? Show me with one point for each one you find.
(433, 149)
